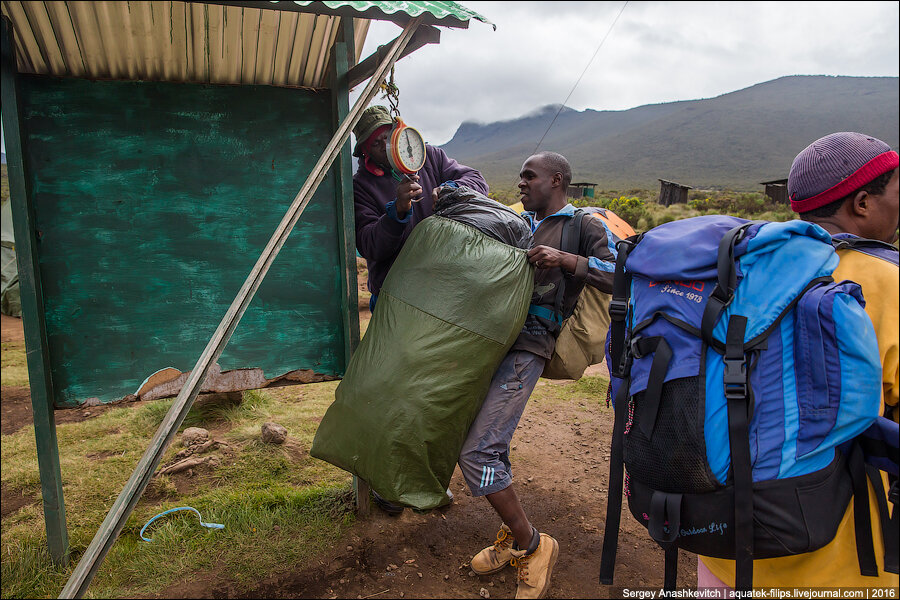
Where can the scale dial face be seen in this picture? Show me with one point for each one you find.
(407, 151)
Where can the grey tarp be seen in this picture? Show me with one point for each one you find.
(451, 307)
(10, 303)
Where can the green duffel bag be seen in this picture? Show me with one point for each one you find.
(452, 305)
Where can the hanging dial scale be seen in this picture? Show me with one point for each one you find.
(406, 148)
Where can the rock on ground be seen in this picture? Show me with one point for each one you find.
(194, 435)
(273, 433)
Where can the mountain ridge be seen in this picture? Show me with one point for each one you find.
(735, 140)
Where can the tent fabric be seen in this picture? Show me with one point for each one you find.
(450, 309)
(10, 302)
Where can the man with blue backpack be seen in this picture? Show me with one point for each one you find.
(748, 382)
(847, 184)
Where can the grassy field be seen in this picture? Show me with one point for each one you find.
(280, 507)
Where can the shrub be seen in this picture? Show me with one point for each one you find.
(631, 209)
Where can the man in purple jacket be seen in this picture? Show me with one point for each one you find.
(388, 205)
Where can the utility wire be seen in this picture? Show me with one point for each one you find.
(561, 106)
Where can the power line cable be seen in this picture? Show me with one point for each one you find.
(561, 106)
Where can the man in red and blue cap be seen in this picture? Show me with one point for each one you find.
(847, 184)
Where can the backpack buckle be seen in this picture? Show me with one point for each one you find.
(635, 348)
(735, 379)
(618, 309)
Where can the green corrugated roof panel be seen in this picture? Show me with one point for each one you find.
(441, 11)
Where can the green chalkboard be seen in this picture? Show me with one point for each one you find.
(152, 203)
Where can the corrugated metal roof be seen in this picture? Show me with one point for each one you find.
(266, 43)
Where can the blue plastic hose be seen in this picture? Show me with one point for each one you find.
(171, 510)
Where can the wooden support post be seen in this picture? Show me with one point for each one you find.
(426, 34)
(343, 169)
(115, 520)
(36, 349)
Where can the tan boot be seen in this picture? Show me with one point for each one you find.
(493, 558)
(535, 568)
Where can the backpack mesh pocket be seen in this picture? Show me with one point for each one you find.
(674, 458)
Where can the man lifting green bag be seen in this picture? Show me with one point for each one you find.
(450, 308)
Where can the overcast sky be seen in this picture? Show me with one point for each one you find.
(656, 52)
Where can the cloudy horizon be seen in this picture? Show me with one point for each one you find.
(656, 52)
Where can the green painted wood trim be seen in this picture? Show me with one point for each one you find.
(36, 349)
(342, 53)
(343, 50)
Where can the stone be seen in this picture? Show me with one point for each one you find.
(273, 433)
(484, 593)
(194, 435)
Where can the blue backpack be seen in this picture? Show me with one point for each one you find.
(744, 382)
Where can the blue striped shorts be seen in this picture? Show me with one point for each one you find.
(484, 458)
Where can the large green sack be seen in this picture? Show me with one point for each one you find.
(452, 305)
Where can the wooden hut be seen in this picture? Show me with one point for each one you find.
(777, 190)
(154, 148)
(672, 193)
(581, 190)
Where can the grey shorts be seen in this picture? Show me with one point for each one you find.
(484, 458)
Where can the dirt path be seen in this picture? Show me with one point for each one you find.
(560, 465)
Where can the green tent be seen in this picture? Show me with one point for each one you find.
(9, 283)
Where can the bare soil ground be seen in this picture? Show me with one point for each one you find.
(560, 464)
(16, 404)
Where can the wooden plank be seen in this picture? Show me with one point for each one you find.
(115, 520)
(32, 308)
(424, 35)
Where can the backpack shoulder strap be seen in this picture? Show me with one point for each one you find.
(571, 243)
(878, 249)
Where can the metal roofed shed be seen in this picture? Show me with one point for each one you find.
(777, 190)
(153, 149)
(581, 190)
(672, 193)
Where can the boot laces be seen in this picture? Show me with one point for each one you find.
(521, 565)
(502, 540)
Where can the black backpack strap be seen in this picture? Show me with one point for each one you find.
(737, 396)
(865, 546)
(614, 493)
(619, 367)
(889, 530)
(618, 310)
(664, 527)
(670, 579)
(571, 243)
(877, 248)
(723, 293)
(893, 525)
(642, 346)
